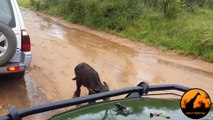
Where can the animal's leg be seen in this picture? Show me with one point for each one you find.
(90, 93)
(78, 90)
(77, 93)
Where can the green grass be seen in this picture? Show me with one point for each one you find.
(187, 34)
(187, 30)
(24, 3)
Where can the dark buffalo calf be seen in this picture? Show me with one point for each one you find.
(88, 77)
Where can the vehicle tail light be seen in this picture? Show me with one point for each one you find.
(25, 41)
(13, 68)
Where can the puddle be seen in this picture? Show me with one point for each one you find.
(35, 96)
(11, 90)
(57, 32)
(145, 76)
(153, 59)
(21, 93)
(147, 58)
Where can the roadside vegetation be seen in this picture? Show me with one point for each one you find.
(24, 3)
(185, 26)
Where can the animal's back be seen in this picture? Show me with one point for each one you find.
(87, 75)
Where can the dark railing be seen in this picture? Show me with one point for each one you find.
(137, 91)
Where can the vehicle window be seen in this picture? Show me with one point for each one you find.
(6, 13)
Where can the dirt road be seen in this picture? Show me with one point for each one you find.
(59, 46)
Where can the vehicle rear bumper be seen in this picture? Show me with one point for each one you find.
(26, 58)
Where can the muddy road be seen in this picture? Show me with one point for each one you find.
(59, 46)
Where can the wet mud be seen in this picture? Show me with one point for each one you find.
(58, 46)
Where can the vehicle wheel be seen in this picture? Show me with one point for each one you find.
(8, 43)
(18, 75)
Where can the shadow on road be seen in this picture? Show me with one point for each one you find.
(21, 93)
(12, 93)
(9, 84)
(7, 77)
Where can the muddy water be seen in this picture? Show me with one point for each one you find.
(11, 90)
(59, 46)
(20, 93)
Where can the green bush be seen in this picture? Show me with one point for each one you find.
(209, 4)
(170, 8)
(24, 3)
(107, 14)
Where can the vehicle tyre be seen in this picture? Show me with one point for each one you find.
(8, 43)
(18, 75)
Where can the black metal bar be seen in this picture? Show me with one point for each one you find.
(75, 101)
(5, 118)
(14, 114)
(66, 103)
(168, 87)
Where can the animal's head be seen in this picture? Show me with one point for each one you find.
(198, 93)
(103, 88)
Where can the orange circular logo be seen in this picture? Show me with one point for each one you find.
(195, 103)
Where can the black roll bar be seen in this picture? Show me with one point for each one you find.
(141, 89)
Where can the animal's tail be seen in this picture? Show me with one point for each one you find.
(74, 78)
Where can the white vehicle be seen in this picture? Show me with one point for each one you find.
(15, 48)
